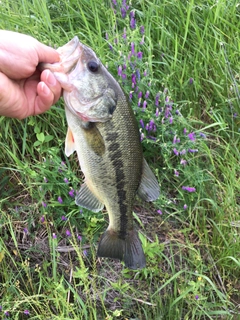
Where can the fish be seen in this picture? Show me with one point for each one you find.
(103, 130)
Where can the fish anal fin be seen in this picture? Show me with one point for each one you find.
(69, 143)
(128, 250)
(149, 188)
(86, 199)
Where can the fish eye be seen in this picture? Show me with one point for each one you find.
(93, 66)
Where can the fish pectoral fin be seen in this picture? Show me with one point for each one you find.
(69, 143)
(149, 188)
(128, 249)
(86, 199)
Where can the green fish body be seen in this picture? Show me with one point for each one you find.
(104, 133)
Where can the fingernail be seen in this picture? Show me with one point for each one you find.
(50, 79)
(45, 89)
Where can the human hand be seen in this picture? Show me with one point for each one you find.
(24, 90)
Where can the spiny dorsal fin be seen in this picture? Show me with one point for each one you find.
(69, 143)
(149, 188)
(86, 199)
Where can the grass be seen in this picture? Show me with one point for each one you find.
(188, 113)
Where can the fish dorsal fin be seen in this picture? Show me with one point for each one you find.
(149, 188)
(69, 143)
(86, 199)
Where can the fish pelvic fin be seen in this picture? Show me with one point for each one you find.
(149, 188)
(128, 250)
(86, 199)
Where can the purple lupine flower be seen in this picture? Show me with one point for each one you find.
(144, 104)
(26, 312)
(189, 189)
(139, 55)
(106, 36)
(191, 81)
(71, 193)
(183, 152)
(132, 14)
(140, 94)
(191, 136)
(202, 135)
(60, 200)
(132, 48)
(184, 131)
(171, 120)
(25, 230)
(130, 95)
(196, 297)
(174, 139)
(176, 173)
(193, 150)
(185, 207)
(152, 126)
(79, 237)
(139, 102)
(175, 152)
(132, 23)
(159, 211)
(147, 94)
(145, 73)
(68, 233)
(141, 136)
(123, 12)
(66, 180)
(44, 204)
(157, 112)
(177, 112)
(119, 71)
(7, 314)
(85, 253)
(114, 2)
(183, 162)
(134, 80)
(64, 218)
(45, 180)
(124, 76)
(110, 47)
(54, 236)
(138, 74)
(42, 219)
(142, 123)
(142, 30)
(124, 34)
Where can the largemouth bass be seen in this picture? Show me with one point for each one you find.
(103, 131)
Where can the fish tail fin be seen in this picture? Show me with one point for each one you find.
(128, 250)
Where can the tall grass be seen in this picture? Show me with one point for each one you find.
(181, 74)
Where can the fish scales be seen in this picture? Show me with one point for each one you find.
(103, 131)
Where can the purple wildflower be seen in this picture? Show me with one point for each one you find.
(184, 131)
(79, 237)
(25, 230)
(85, 253)
(159, 211)
(202, 135)
(54, 236)
(44, 204)
(71, 193)
(175, 152)
(7, 314)
(144, 104)
(60, 200)
(142, 41)
(185, 207)
(134, 80)
(157, 112)
(130, 95)
(133, 23)
(42, 219)
(123, 12)
(26, 312)
(124, 34)
(140, 94)
(64, 218)
(145, 73)
(45, 180)
(142, 123)
(183, 152)
(189, 189)
(196, 297)
(142, 136)
(171, 120)
(191, 81)
(147, 94)
(132, 14)
(68, 233)
(133, 48)
(139, 55)
(183, 162)
(176, 173)
(106, 36)
(142, 30)
(193, 150)
(152, 126)
(191, 136)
